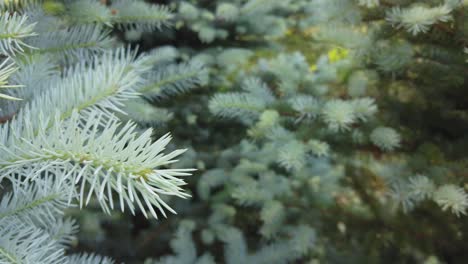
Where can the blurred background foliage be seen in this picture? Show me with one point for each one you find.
(266, 169)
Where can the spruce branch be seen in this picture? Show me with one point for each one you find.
(86, 258)
(418, 19)
(37, 202)
(173, 79)
(35, 75)
(6, 70)
(20, 243)
(114, 160)
(236, 105)
(136, 14)
(14, 29)
(89, 11)
(71, 44)
(103, 86)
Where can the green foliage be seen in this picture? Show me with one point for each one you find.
(64, 142)
(322, 131)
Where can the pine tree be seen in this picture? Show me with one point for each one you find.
(322, 131)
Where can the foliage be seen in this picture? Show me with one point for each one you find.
(326, 131)
(63, 142)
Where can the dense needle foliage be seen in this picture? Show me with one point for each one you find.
(315, 131)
